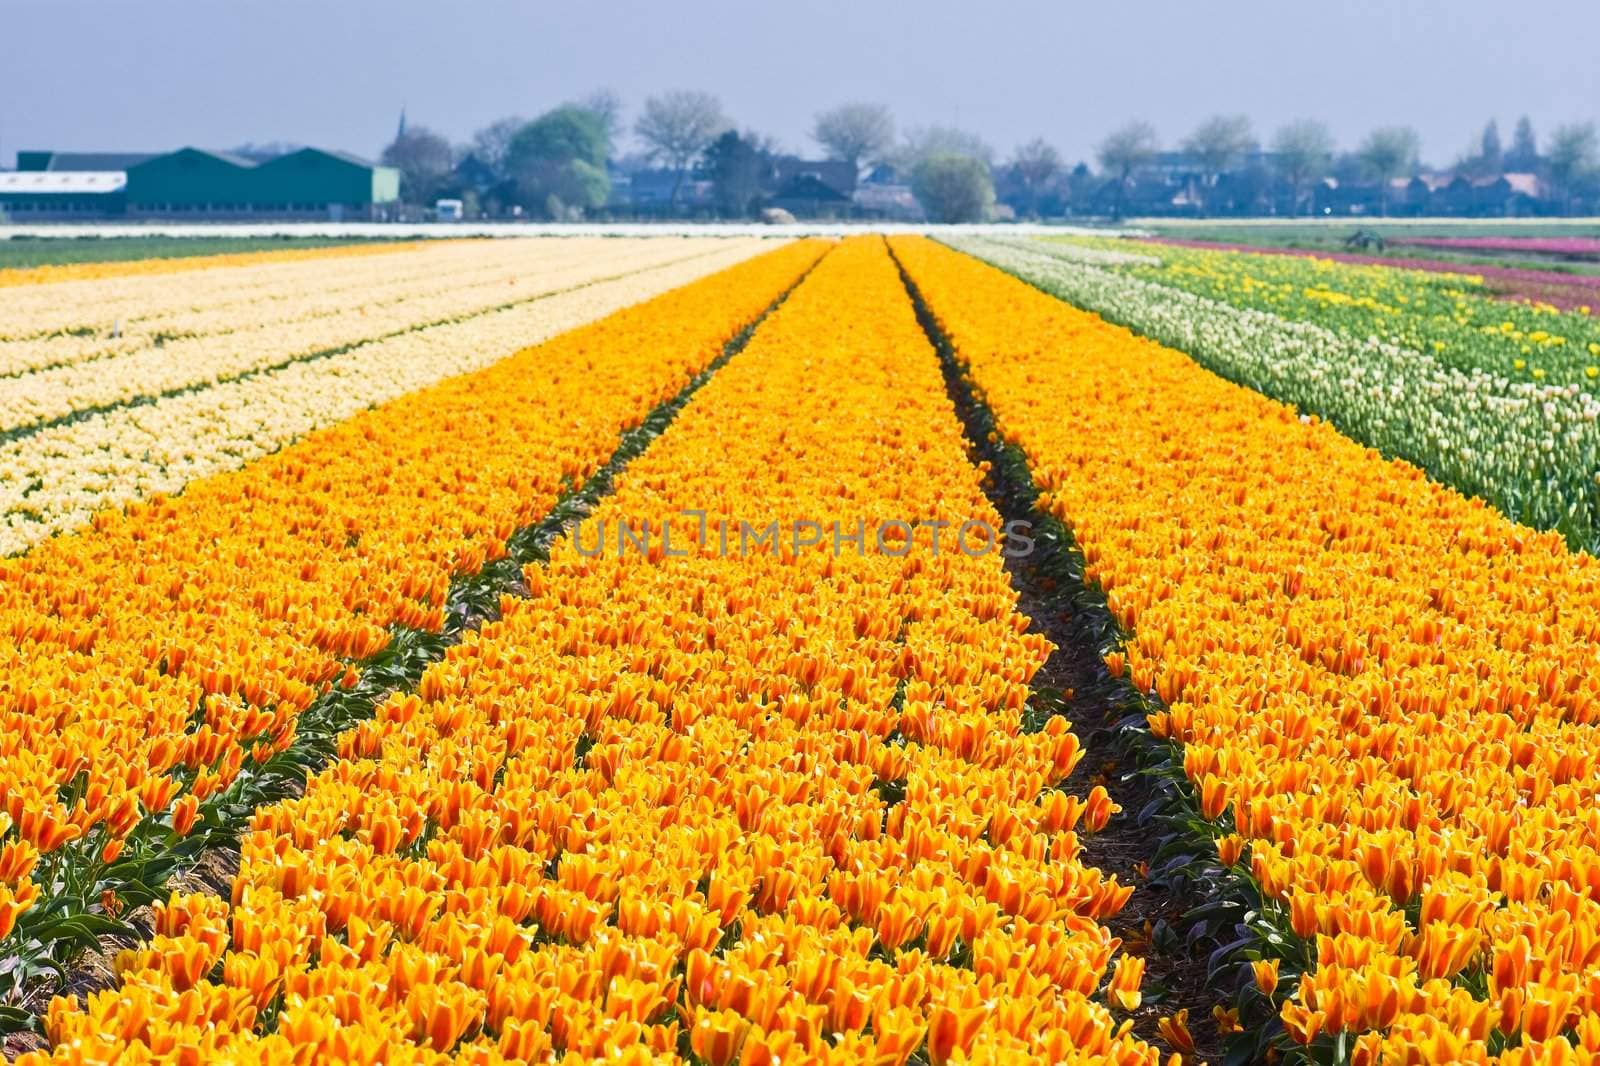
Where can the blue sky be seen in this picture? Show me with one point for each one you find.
(157, 74)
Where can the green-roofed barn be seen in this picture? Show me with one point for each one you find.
(191, 180)
(192, 183)
(309, 183)
(315, 176)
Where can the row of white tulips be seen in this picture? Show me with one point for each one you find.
(56, 479)
(205, 359)
(99, 318)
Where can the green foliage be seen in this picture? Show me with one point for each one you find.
(1572, 154)
(737, 166)
(953, 188)
(559, 160)
(558, 136)
(24, 252)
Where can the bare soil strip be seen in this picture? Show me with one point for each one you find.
(1075, 683)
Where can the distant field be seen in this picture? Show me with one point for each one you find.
(1330, 236)
(25, 252)
(1275, 228)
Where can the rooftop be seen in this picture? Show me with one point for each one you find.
(76, 162)
(63, 181)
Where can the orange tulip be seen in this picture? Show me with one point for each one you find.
(1301, 1024)
(1546, 1012)
(17, 860)
(1175, 1031)
(1265, 972)
(762, 1048)
(952, 1031)
(717, 1035)
(14, 901)
(1099, 809)
(1213, 797)
(184, 814)
(1124, 987)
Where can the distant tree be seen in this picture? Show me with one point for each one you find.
(677, 126)
(1035, 165)
(1524, 154)
(1486, 158)
(1125, 150)
(1304, 152)
(1248, 186)
(1386, 154)
(1347, 169)
(559, 161)
(1491, 156)
(1080, 185)
(1570, 157)
(739, 166)
(953, 188)
(566, 132)
(424, 160)
(925, 141)
(855, 133)
(266, 150)
(490, 143)
(605, 105)
(1217, 144)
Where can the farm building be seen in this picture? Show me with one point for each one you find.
(190, 182)
(63, 194)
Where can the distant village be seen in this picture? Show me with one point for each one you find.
(692, 164)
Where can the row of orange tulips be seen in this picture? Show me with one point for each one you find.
(1385, 693)
(774, 806)
(115, 268)
(153, 665)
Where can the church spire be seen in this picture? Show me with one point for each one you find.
(402, 130)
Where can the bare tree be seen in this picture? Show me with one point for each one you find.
(605, 105)
(677, 126)
(1304, 151)
(855, 133)
(925, 141)
(1217, 144)
(266, 150)
(1389, 153)
(424, 160)
(1035, 164)
(1571, 156)
(1125, 150)
(490, 143)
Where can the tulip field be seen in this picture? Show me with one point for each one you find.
(602, 650)
(1498, 400)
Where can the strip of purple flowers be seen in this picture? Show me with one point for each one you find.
(1570, 292)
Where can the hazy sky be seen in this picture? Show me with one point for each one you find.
(158, 74)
